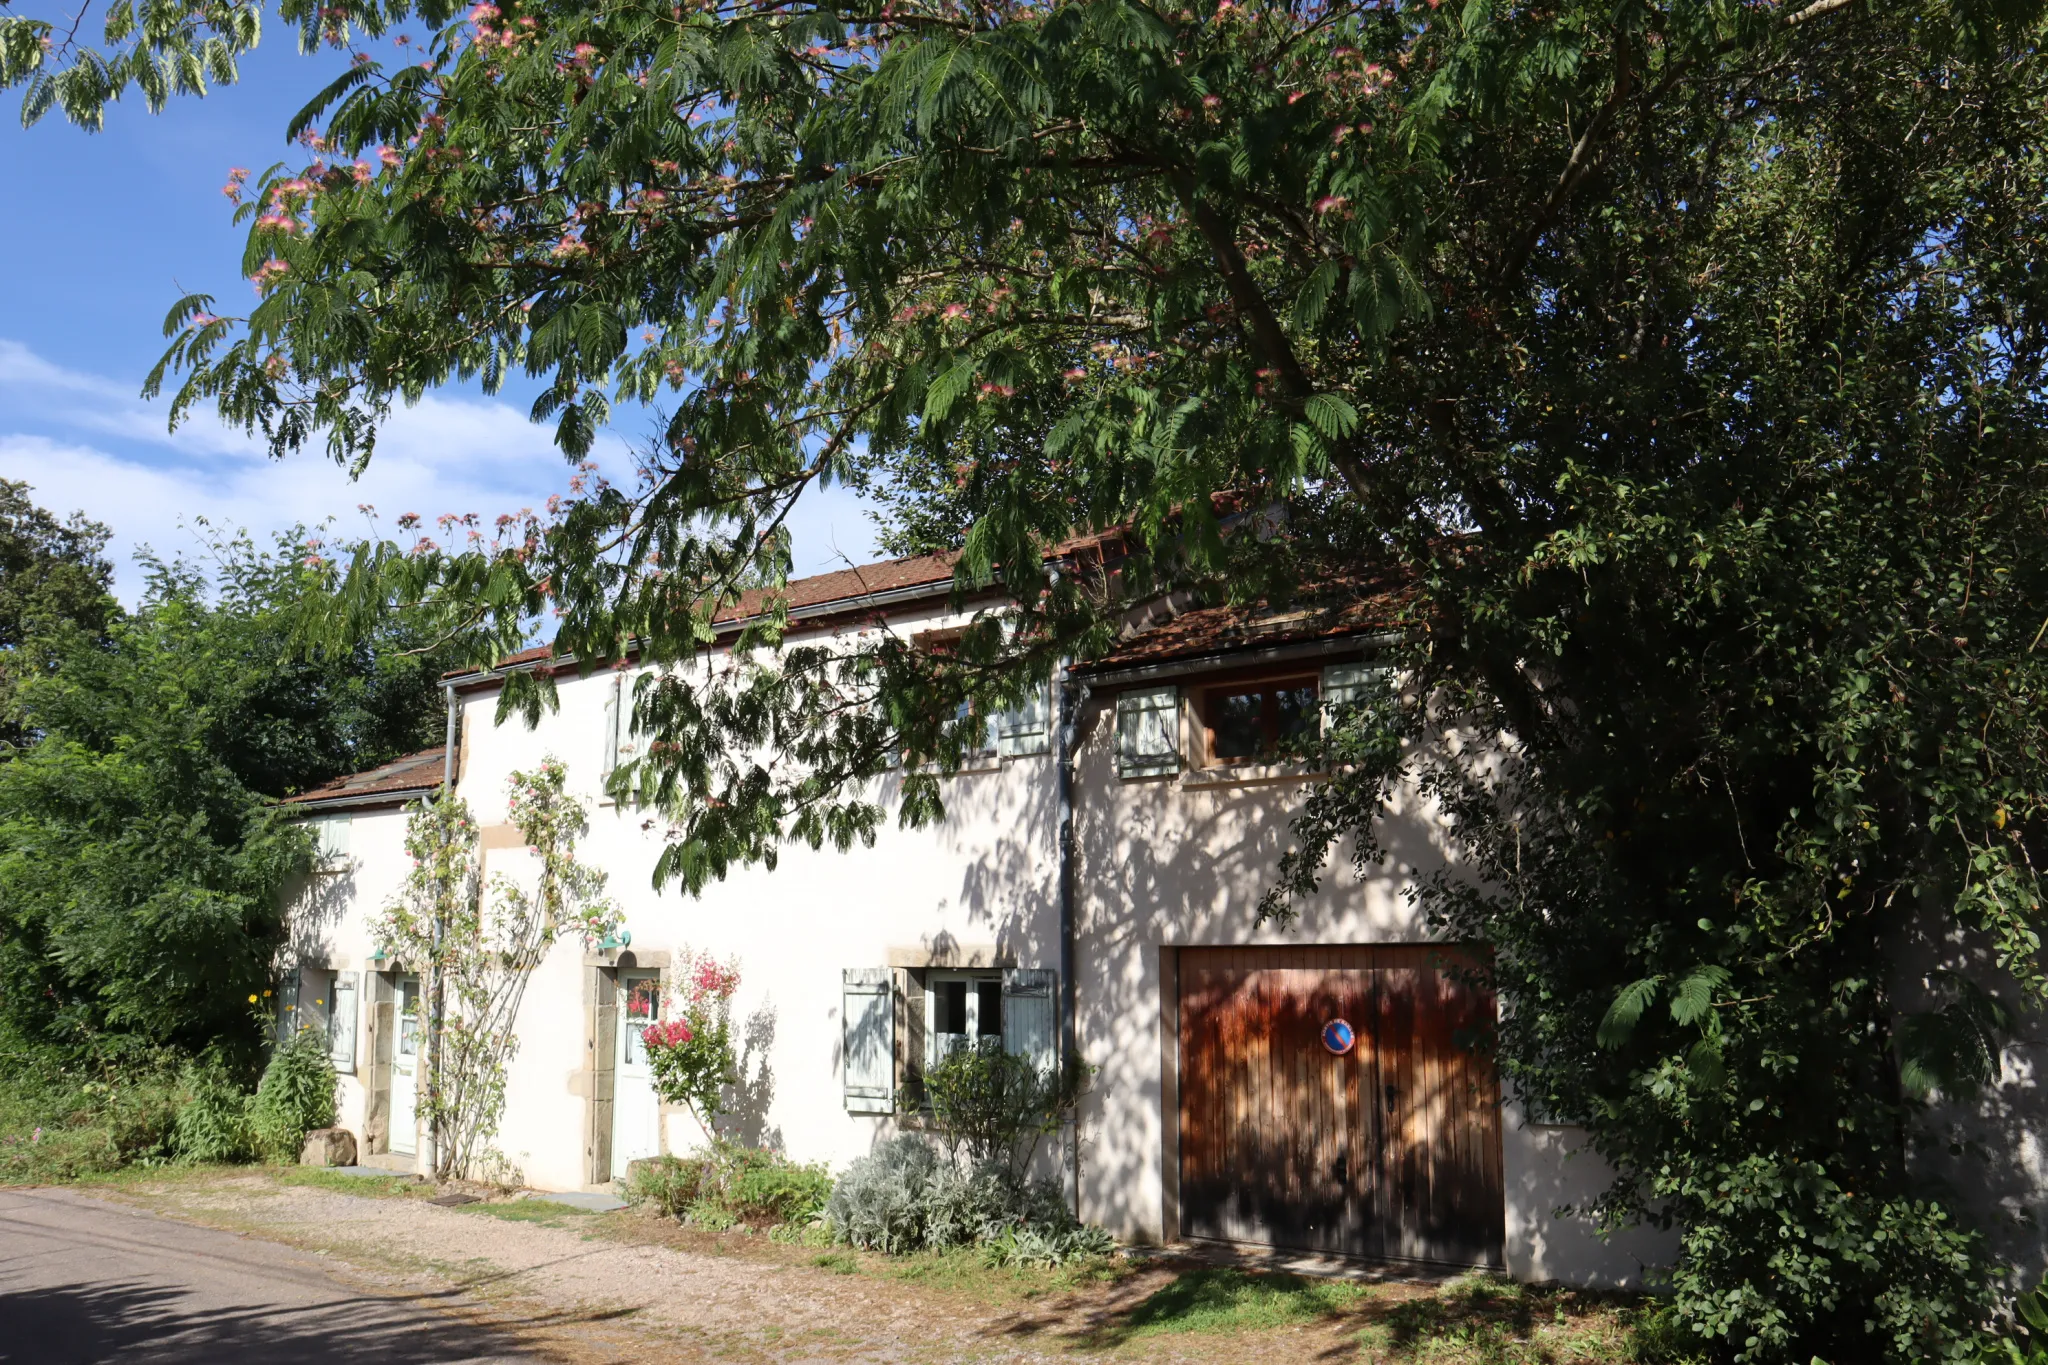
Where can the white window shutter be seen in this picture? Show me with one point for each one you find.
(288, 1005)
(1031, 1015)
(626, 743)
(1148, 732)
(1027, 727)
(341, 1023)
(869, 1018)
(1346, 684)
(331, 836)
(608, 742)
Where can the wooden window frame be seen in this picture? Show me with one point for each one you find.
(974, 979)
(1202, 696)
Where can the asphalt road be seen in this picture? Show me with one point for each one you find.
(86, 1281)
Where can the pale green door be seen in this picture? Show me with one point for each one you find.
(636, 1113)
(405, 1067)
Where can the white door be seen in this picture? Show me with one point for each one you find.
(636, 1113)
(405, 1066)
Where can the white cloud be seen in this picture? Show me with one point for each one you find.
(86, 442)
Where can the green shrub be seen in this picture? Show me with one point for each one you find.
(732, 1184)
(880, 1202)
(667, 1182)
(56, 1125)
(213, 1115)
(906, 1196)
(763, 1187)
(295, 1096)
(992, 1107)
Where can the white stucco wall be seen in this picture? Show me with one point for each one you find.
(329, 927)
(1164, 863)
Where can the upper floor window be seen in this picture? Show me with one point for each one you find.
(1253, 721)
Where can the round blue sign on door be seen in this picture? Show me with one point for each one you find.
(1339, 1037)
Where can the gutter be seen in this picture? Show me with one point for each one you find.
(383, 798)
(1197, 663)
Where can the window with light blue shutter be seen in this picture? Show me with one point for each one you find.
(1348, 684)
(1027, 727)
(341, 1023)
(868, 1016)
(608, 742)
(1031, 1015)
(1148, 732)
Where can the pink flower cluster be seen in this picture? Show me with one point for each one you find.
(667, 1033)
(711, 980)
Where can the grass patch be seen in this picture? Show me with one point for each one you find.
(964, 1270)
(838, 1262)
(1224, 1300)
(367, 1186)
(542, 1211)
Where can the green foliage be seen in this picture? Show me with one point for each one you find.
(2024, 1340)
(142, 870)
(476, 946)
(667, 1182)
(906, 1196)
(60, 1123)
(730, 1185)
(993, 1108)
(1681, 367)
(53, 575)
(213, 1115)
(295, 1096)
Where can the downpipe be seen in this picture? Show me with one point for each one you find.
(1073, 699)
(428, 1140)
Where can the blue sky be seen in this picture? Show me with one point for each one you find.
(107, 230)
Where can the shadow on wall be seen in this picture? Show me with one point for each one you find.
(747, 1103)
(1988, 1155)
(1552, 1183)
(322, 902)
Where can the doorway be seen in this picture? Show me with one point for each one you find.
(405, 1066)
(636, 1110)
(1331, 1100)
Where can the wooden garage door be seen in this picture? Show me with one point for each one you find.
(1391, 1150)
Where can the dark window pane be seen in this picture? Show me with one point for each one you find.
(1237, 718)
(989, 1018)
(1297, 711)
(950, 1010)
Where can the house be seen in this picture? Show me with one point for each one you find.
(1300, 1087)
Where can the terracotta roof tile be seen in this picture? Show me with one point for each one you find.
(841, 585)
(1329, 611)
(420, 772)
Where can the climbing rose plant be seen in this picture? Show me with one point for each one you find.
(475, 943)
(690, 1052)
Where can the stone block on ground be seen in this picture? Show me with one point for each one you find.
(329, 1147)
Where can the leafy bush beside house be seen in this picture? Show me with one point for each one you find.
(730, 1184)
(142, 868)
(991, 1112)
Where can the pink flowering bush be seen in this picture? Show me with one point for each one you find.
(690, 1052)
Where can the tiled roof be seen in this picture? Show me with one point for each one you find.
(890, 575)
(1328, 612)
(420, 772)
(841, 585)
